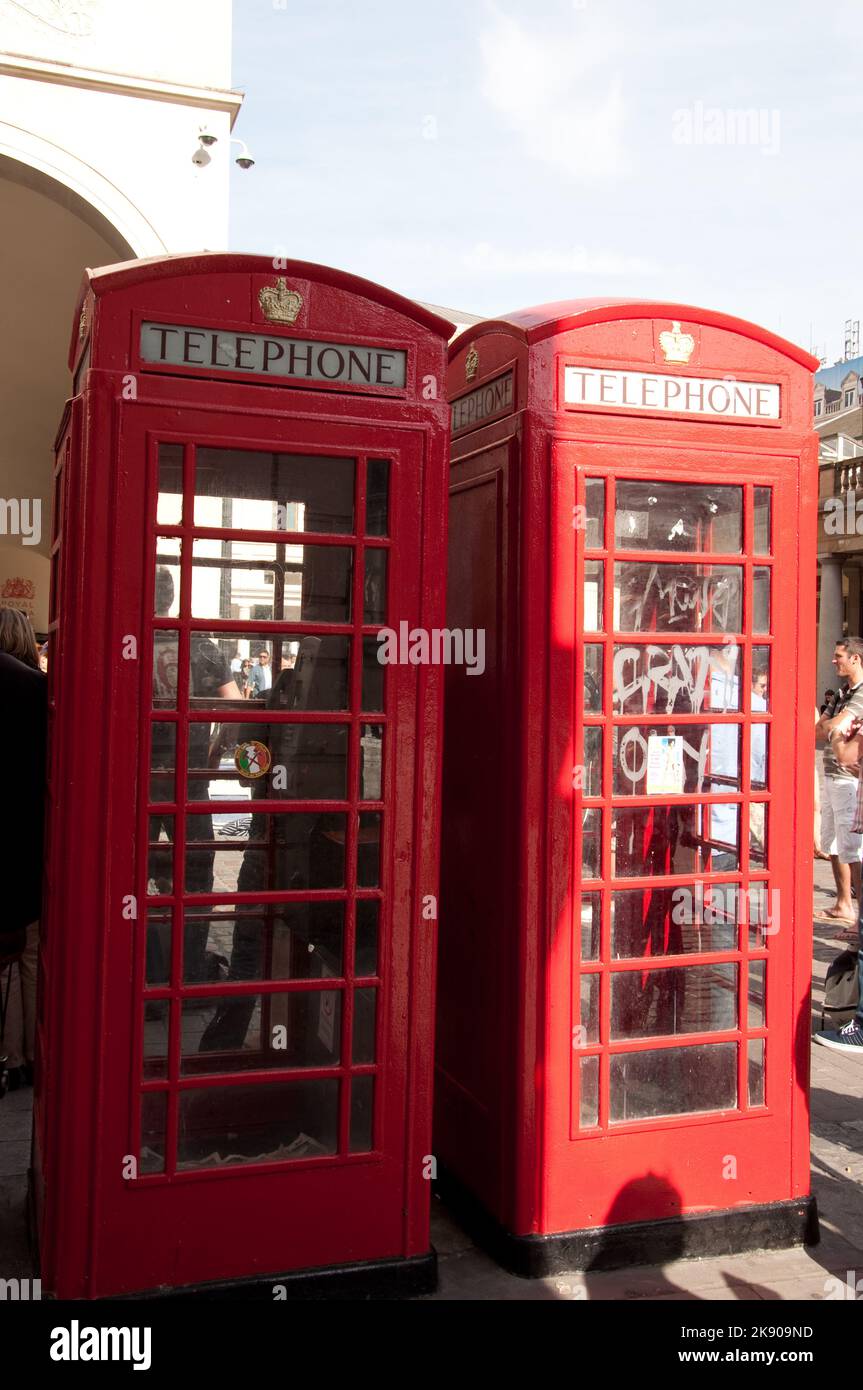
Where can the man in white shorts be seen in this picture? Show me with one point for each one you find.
(840, 803)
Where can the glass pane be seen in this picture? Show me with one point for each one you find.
(664, 679)
(169, 507)
(165, 661)
(371, 761)
(300, 762)
(270, 582)
(366, 959)
(760, 599)
(373, 677)
(163, 761)
(760, 679)
(362, 1114)
(761, 521)
(156, 1020)
(377, 497)
(593, 595)
(589, 1092)
(673, 1081)
(257, 1124)
(758, 838)
(250, 491)
(594, 494)
(591, 907)
(678, 516)
(365, 1015)
(677, 597)
(253, 1031)
(369, 850)
(592, 776)
(755, 1058)
(759, 736)
(275, 671)
(158, 960)
(160, 856)
(591, 848)
(589, 1010)
(764, 917)
(375, 590)
(757, 971)
(686, 999)
(154, 1117)
(263, 941)
(593, 655)
(166, 586)
(678, 839)
(709, 754)
(685, 920)
(268, 853)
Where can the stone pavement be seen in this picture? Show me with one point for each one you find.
(469, 1275)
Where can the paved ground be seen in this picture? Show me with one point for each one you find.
(467, 1274)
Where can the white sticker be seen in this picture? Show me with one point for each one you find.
(664, 765)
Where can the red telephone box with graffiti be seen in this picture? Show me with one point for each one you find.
(625, 944)
(237, 1006)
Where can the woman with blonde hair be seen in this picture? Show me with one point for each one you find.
(17, 637)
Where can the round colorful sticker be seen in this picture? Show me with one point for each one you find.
(252, 759)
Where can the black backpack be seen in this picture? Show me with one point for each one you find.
(841, 991)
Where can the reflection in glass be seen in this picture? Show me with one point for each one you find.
(156, 1020)
(589, 1009)
(307, 762)
(763, 914)
(263, 941)
(365, 1015)
(758, 842)
(166, 584)
(246, 490)
(757, 971)
(591, 905)
(277, 671)
(684, 999)
(588, 1115)
(371, 761)
(759, 737)
(366, 958)
(377, 488)
(160, 856)
(165, 659)
(673, 1081)
(690, 918)
(362, 1114)
(593, 655)
(760, 694)
(711, 757)
(158, 956)
(591, 846)
(375, 588)
(169, 507)
(163, 761)
(668, 597)
(674, 839)
(267, 853)
(373, 677)
(593, 595)
(269, 581)
(261, 1031)
(679, 679)
(257, 1124)
(761, 599)
(678, 516)
(154, 1114)
(761, 520)
(594, 495)
(755, 1060)
(592, 760)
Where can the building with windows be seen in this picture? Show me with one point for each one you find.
(838, 420)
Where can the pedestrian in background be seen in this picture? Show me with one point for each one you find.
(839, 803)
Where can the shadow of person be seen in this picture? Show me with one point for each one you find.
(642, 1227)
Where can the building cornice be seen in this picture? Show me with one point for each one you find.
(120, 83)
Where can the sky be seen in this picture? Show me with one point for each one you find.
(487, 155)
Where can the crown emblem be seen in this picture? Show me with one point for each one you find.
(280, 304)
(471, 363)
(677, 346)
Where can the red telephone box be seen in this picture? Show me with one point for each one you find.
(622, 1054)
(236, 1022)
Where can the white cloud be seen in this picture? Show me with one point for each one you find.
(556, 91)
(485, 259)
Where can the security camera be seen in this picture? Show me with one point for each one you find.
(245, 161)
(206, 138)
(200, 157)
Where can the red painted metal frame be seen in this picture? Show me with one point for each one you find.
(101, 1233)
(516, 1142)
